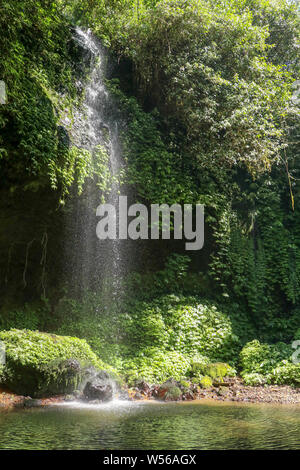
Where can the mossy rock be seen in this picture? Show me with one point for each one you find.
(196, 380)
(173, 394)
(184, 385)
(170, 390)
(217, 370)
(206, 382)
(41, 364)
(223, 391)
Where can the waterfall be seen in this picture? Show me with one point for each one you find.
(96, 122)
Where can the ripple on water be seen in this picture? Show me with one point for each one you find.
(152, 425)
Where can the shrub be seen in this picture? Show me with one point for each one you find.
(286, 373)
(156, 366)
(262, 358)
(153, 340)
(268, 363)
(254, 379)
(206, 382)
(174, 393)
(183, 324)
(217, 370)
(27, 318)
(197, 364)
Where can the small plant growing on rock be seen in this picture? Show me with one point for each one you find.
(173, 394)
(216, 371)
(206, 382)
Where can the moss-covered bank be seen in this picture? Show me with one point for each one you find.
(42, 364)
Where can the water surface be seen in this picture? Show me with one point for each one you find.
(153, 426)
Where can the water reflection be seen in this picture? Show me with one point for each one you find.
(153, 426)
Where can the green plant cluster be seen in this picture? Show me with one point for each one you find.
(149, 159)
(29, 318)
(263, 363)
(217, 370)
(156, 339)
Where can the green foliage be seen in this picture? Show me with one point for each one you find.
(206, 382)
(149, 158)
(153, 340)
(282, 20)
(286, 373)
(257, 261)
(217, 370)
(37, 66)
(173, 394)
(197, 365)
(223, 100)
(185, 325)
(27, 348)
(254, 378)
(174, 277)
(26, 318)
(171, 278)
(208, 110)
(261, 358)
(155, 366)
(36, 362)
(91, 319)
(77, 166)
(265, 363)
(218, 104)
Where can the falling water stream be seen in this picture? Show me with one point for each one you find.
(95, 124)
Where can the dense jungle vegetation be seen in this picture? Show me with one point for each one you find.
(208, 89)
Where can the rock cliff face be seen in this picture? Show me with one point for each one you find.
(30, 244)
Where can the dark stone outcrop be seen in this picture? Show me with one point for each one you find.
(99, 385)
(32, 403)
(97, 389)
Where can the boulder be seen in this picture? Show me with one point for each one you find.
(32, 403)
(124, 395)
(42, 365)
(97, 389)
(223, 391)
(188, 396)
(101, 385)
(143, 387)
(169, 391)
(138, 396)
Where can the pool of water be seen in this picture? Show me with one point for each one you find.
(152, 426)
